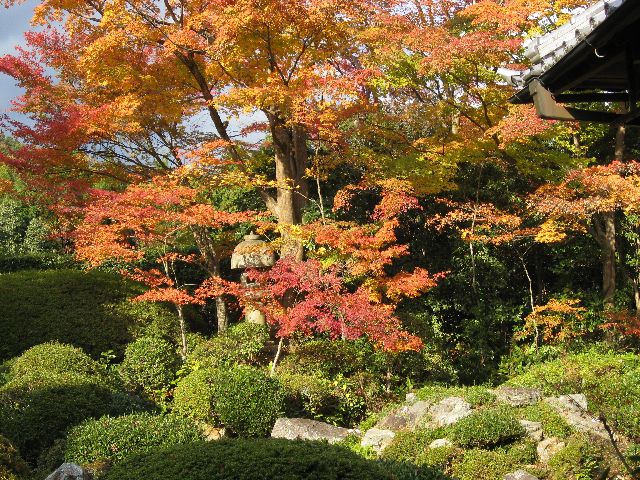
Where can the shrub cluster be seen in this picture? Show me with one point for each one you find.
(149, 365)
(241, 343)
(265, 459)
(487, 428)
(610, 381)
(243, 399)
(12, 466)
(113, 439)
(41, 401)
(86, 309)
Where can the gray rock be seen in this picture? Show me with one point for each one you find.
(305, 429)
(520, 475)
(518, 397)
(377, 439)
(440, 442)
(407, 417)
(548, 447)
(533, 429)
(410, 398)
(574, 401)
(448, 411)
(70, 471)
(573, 408)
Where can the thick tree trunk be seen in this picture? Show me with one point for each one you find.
(604, 227)
(291, 157)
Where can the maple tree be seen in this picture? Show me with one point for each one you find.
(159, 221)
(588, 200)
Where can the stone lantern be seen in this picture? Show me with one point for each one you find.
(253, 252)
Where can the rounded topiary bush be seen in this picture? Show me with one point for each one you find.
(243, 399)
(487, 428)
(55, 358)
(112, 439)
(12, 466)
(40, 403)
(150, 364)
(265, 459)
(241, 343)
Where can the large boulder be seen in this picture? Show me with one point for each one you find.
(378, 439)
(407, 417)
(520, 475)
(533, 429)
(518, 397)
(70, 471)
(305, 429)
(449, 410)
(548, 447)
(573, 408)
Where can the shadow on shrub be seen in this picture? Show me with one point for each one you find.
(87, 309)
(264, 459)
(41, 401)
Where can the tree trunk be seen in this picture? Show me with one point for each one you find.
(620, 142)
(604, 226)
(205, 244)
(291, 157)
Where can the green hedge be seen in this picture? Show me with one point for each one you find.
(241, 343)
(40, 402)
(150, 365)
(86, 309)
(263, 459)
(487, 428)
(243, 399)
(113, 439)
(12, 466)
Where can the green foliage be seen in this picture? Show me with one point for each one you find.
(553, 424)
(12, 466)
(611, 383)
(485, 464)
(579, 460)
(89, 310)
(41, 401)
(487, 428)
(243, 399)
(265, 459)
(475, 395)
(113, 439)
(411, 446)
(150, 365)
(247, 401)
(309, 396)
(241, 343)
(194, 394)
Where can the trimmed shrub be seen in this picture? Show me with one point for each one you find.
(553, 424)
(247, 401)
(410, 446)
(12, 467)
(243, 399)
(55, 358)
(39, 404)
(87, 309)
(265, 459)
(487, 428)
(241, 343)
(113, 439)
(483, 464)
(150, 365)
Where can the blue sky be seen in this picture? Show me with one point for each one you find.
(13, 23)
